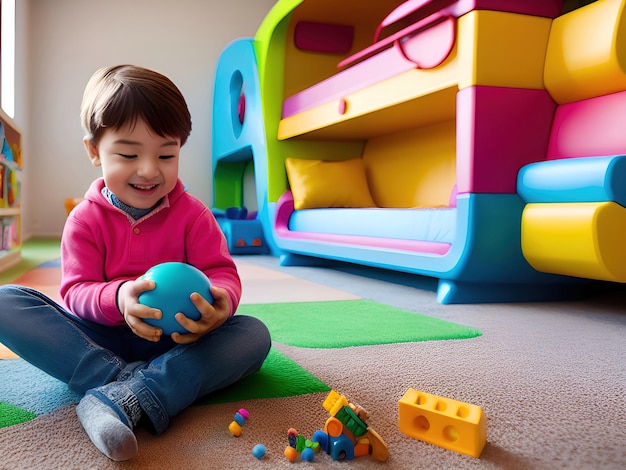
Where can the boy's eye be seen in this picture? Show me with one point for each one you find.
(127, 156)
(166, 157)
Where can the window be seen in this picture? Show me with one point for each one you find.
(7, 56)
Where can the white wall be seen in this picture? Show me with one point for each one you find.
(67, 40)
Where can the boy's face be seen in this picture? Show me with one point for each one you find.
(138, 166)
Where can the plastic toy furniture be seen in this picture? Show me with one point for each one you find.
(575, 216)
(235, 141)
(426, 109)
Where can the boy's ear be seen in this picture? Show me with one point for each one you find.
(92, 152)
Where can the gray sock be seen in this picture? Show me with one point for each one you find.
(105, 428)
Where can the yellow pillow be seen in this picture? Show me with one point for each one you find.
(321, 183)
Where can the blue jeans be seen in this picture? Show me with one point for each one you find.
(166, 376)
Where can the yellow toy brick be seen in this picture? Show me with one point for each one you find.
(583, 239)
(577, 67)
(334, 402)
(451, 424)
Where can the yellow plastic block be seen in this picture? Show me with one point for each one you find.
(583, 239)
(502, 49)
(451, 424)
(334, 402)
(579, 68)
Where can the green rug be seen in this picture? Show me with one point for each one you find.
(279, 377)
(344, 323)
(34, 253)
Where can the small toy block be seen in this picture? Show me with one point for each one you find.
(334, 402)
(362, 447)
(300, 443)
(451, 424)
(292, 436)
(379, 449)
(351, 421)
(333, 427)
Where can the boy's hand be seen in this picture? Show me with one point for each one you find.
(212, 316)
(134, 312)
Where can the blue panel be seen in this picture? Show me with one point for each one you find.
(585, 179)
(238, 128)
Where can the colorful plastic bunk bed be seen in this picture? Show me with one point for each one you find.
(575, 219)
(391, 134)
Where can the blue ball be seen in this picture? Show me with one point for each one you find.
(259, 451)
(175, 282)
(308, 454)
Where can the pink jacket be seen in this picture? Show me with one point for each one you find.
(102, 247)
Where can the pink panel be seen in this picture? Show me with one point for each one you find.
(418, 26)
(596, 126)
(323, 37)
(429, 48)
(547, 8)
(284, 208)
(499, 130)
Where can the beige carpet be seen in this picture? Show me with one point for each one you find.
(551, 379)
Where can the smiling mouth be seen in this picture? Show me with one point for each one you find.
(144, 187)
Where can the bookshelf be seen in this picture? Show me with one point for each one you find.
(10, 187)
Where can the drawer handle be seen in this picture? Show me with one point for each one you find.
(343, 106)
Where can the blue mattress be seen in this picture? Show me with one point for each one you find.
(435, 225)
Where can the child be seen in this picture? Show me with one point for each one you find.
(136, 216)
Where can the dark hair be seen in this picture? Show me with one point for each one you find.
(121, 95)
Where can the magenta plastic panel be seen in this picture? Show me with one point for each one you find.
(591, 127)
(323, 37)
(499, 130)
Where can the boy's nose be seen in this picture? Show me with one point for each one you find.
(148, 169)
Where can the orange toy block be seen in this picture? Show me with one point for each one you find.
(451, 424)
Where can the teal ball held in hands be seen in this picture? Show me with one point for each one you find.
(174, 283)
